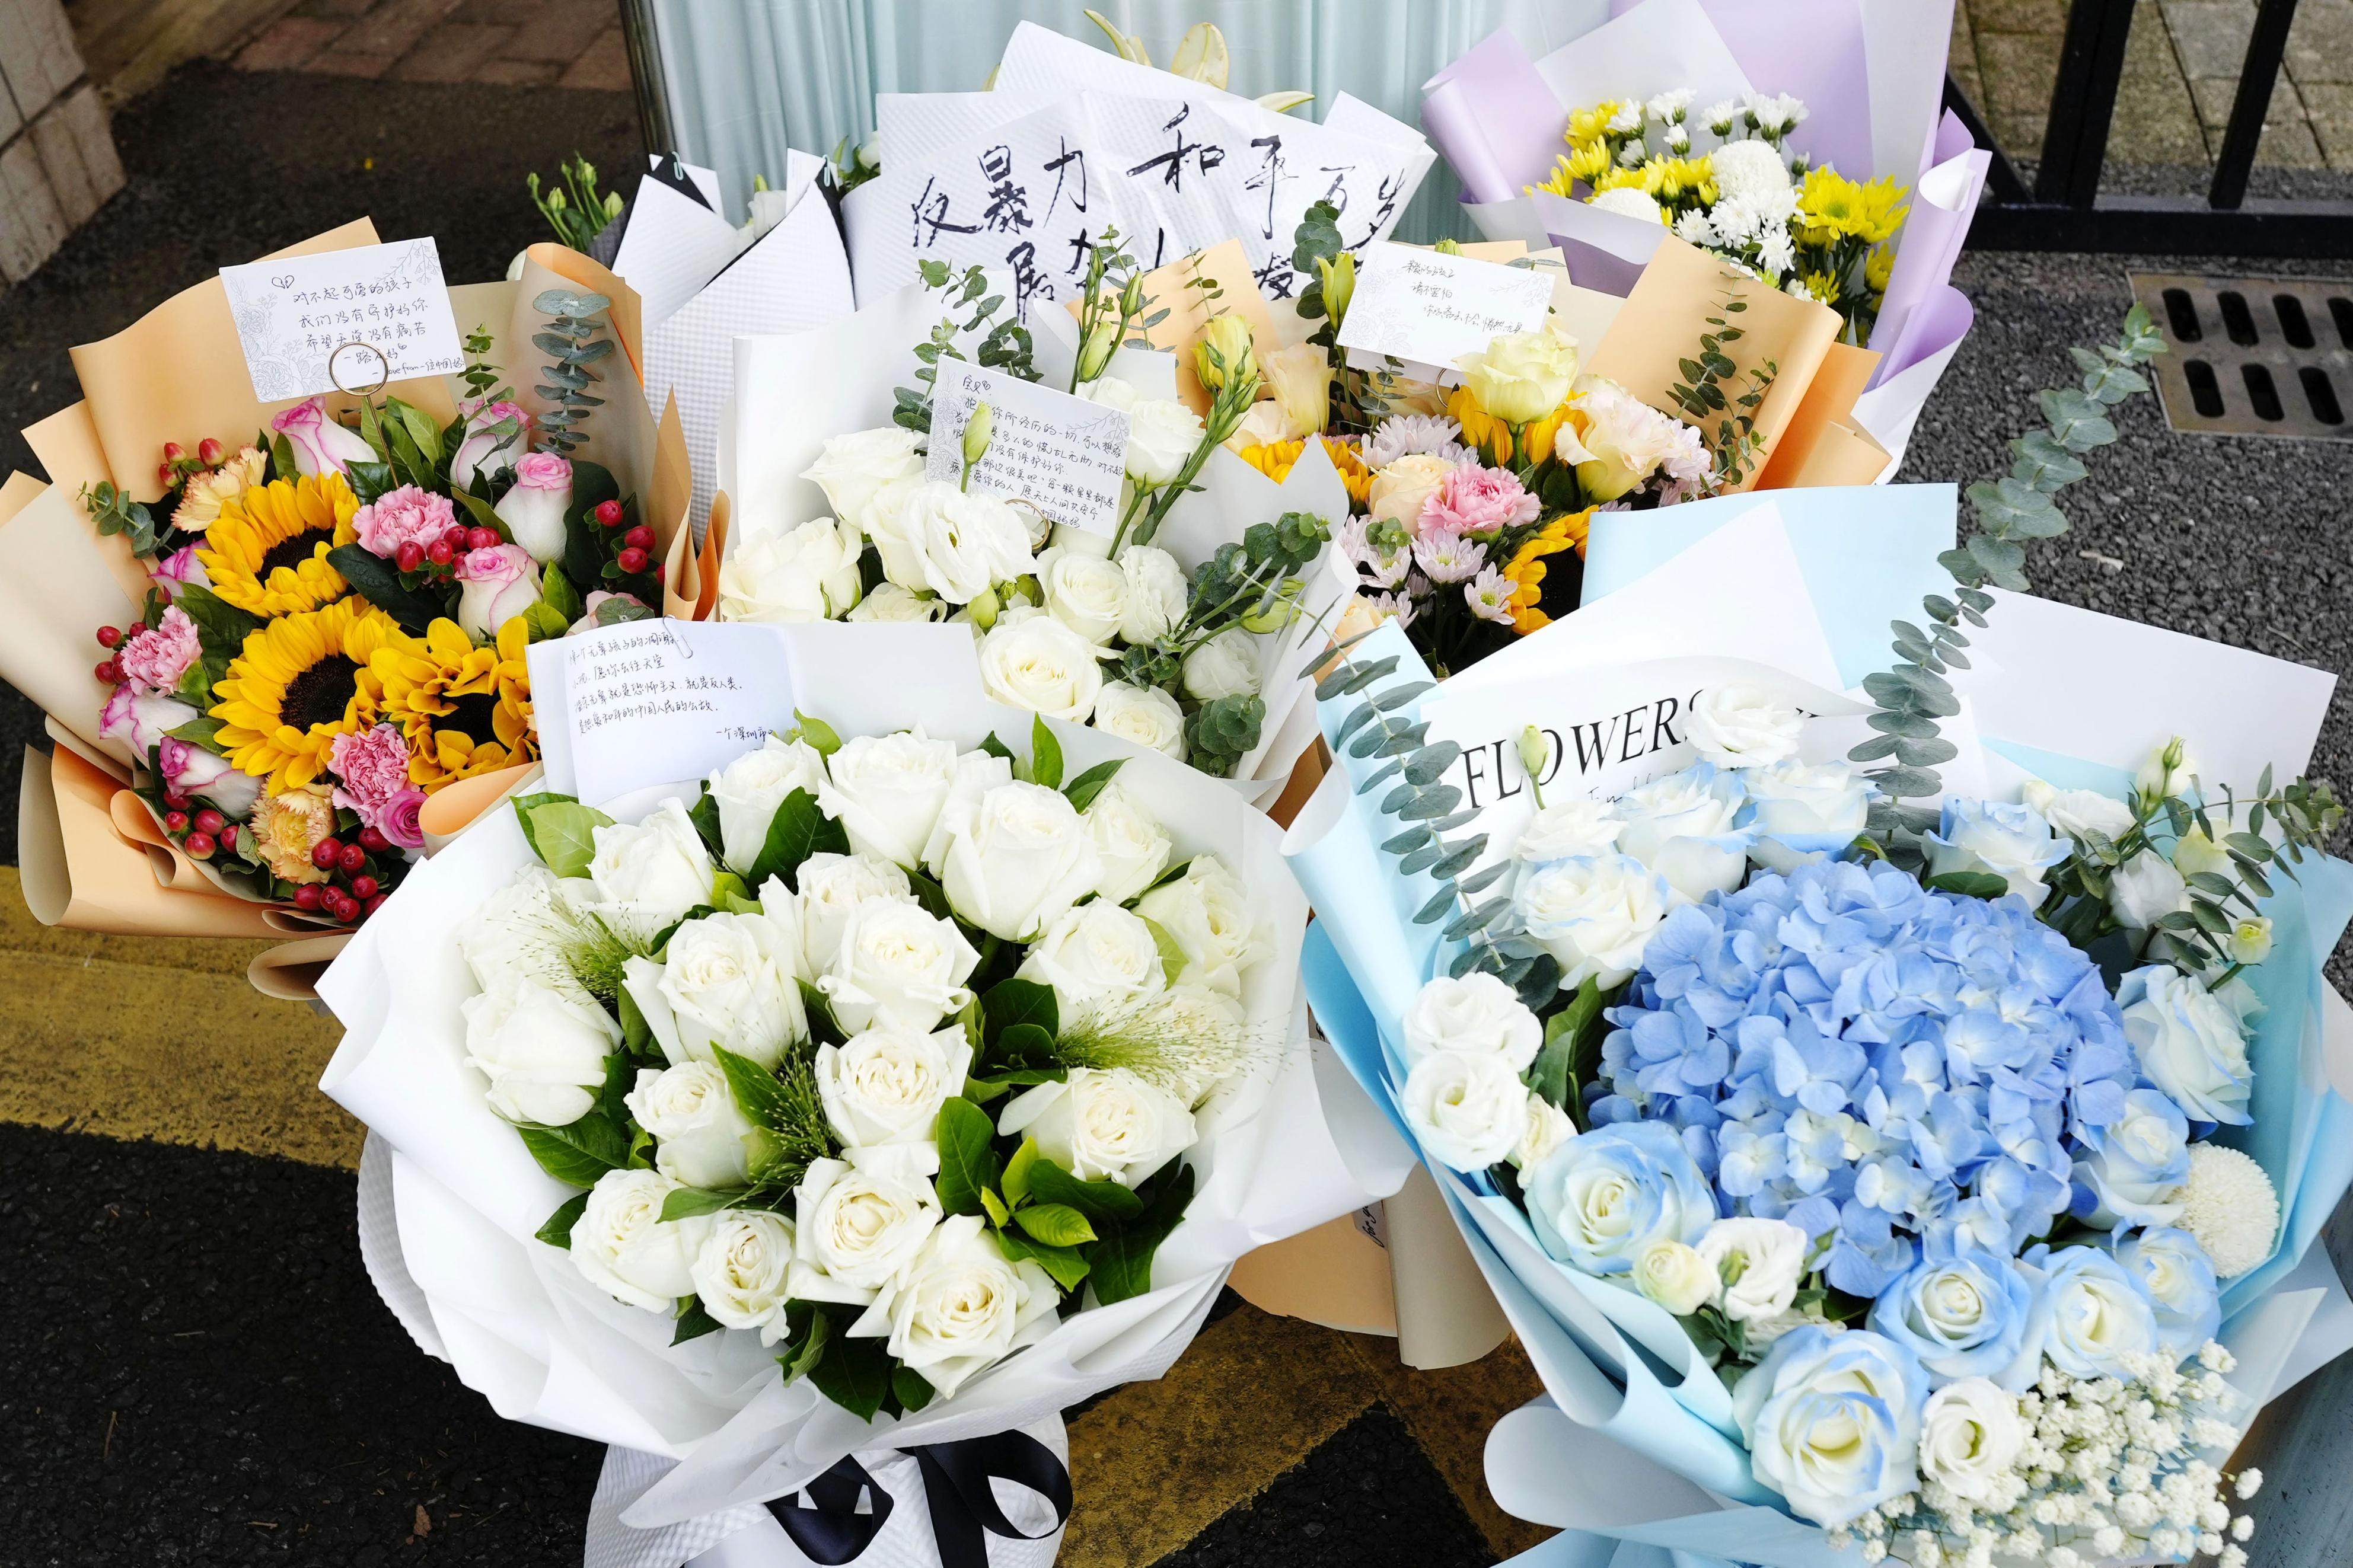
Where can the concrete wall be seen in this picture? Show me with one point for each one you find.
(57, 164)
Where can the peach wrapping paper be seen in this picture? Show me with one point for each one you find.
(1171, 289)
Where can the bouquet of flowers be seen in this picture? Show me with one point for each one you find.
(1918, 1183)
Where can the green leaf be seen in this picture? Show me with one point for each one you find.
(1082, 791)
(798, 830)
(757, 1093)
(1018, 1169)
(911, 1388)
(1011, 1002)
(855, 1374)
(1056, 1225)
(1172, 952)
(995, 1207)
(1970, 884)
(562, 834)
(994, 747)
(809, 1349)
(1067, 1265)
(421, 429)
(693, 1322)
(199, 732)
(819, 734)
(375, 580)
(556, 592)
(824, 1030)
(635, 1033)
(966, 1165)
(687, 1202)
(1045, 755)
(1120, 1265)
(1554, 1073)
(221, 626)
(705, 817)
(557, 1231)
(578, 1153)
(1103, 1204)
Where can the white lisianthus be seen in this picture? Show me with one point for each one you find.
(852, 468)
(936, 539)
(622, 1245)
(542, 1047)
(727, 982)
(1030, 659)
(1804, 812)
(741, 1268)
(2194, 852)
(2250, 942)
(1156, 593)
(1013, 856)
(2146, 890)
(1085, 593)
(701, 1137)
(963, 1305)
(2012, 842)
(831, 885)
(1833, 1422)
(1683, 828)
(1225, 666)
(1676, 1276)
(1207, 912)
(1594, 915)
(1102, 1125)
(750, 789)
(1477, 1015)
(1131, 846)
(1097, 957)
(1467, 1111)
(2189, 1044)
(656, 869)
(1144, 715)
(791, 575)
(1970, 1436)
(1568, 828)
(1548, 1128)
(898, 965)
(887, 1085)
(1761, 1263)
(886, 791)
(891, 603)
(854, 1229)
(2077, 813)
(2169, 770)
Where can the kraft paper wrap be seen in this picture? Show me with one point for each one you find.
(452, 810)
(18, 493)
(1822, 446)
(65, 589)
(290, 972)
(690, 583)
(1171, 289)
(113, 767)
(1663, 317)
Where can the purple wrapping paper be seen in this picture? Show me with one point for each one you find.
(1491, 115)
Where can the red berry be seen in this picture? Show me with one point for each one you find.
(640, 536)
(347, 912)
(372, 841)
(633, 559)
(409, 556)
(199, 845)
(175, 822)
(308, 895)
(439, 554)
(324, 853)
(210, 821)
(351, 857)
(483, 539)
(109, 636)
(176, 800)
(229, 836)
(373, 904)
(608, 513)
(208, 452)
(363, 887)
(166, 476)
(107, 671)
(174, 451)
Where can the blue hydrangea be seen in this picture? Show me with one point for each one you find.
(1882, 1063)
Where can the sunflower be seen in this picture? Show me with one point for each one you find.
(267, 552)
(298, 682)
(1275, 458)
(1538, 594)
(464, 710)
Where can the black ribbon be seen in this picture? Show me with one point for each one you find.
(831, 1531)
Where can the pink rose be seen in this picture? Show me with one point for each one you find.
(178, 570)
(533, 510)
(155, 660)
(604, 609)
(141, 718)
(320, 444)
(1475, 500)
(191, 770)
(494, 585)
(497, 435)
(405, 516)
(396, 819)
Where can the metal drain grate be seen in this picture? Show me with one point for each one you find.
(2254, 356)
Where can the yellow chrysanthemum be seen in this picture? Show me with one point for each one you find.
(1539, 593)
(1646, 178)
(1491, 438)
(1822, 287)
(1679, 177)
(1879, 270)
(267, 552)
(1591, 125)
(464, 710)
(297, 684)
(1274, 459)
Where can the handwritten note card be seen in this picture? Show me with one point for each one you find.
(651, 703)
(1063, 454)
(1426, 308)
(385, 306)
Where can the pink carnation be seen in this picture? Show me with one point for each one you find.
(405, 516)
(1475, 500)
(373, 767)
(155, 660)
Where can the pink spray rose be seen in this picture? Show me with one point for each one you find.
(191, 770)
(533, 510)
(179, 569)
(494, 585)
(141, 718)
(155, 658)
(497, 435)
(1473, 499)
(404, 516)
(320, 444)
(397, 819)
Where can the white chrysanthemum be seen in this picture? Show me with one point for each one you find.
(1719, 116)
(1627, 118)
(2230, 1207)
(1405, 435)
(1694, 228)
(1748, 171)
(1626, 202)
(1670, 105)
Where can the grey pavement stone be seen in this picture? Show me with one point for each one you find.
(2320, 43)
(2210, 35)
(2287, 142)
(2019, 16)
(2329, 107)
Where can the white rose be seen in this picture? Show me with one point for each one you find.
(963, 1305)
(1225, 666)
(1478, 1014)
(2090, 1315)
(1676, 1276)
(1567, 828)
(898, 965)
(622, 1245)
(1012, 857)
(940, 539)
(1970, 1435)
(1594, 915)
(886, 791)
(1130, 843)
(1548, 1128)
(544, 1049)
(1740, 725)
(751, 788)
(516, 929)
(891, 604)
(1156, 593)
(658, 868)
(1162, 433)
(791, 575)
(854, 1229)
(2189, 1044)
(1102, 1126)
(1083, 541)
(1085, 593)
(887, 1085)
(1761, 1262)
(1682, 827)
(1208, 1023)
(830, 886)
(1832, 1457)
(741, 1268)
(1468, 1112)
(1805, 813)
(1144, 715)
(1030, 659)
(726, 982)
(1207, 913)
(852, 468)
(1097, 957)
(701, 1137)
(2146, 890)
(2077, 813)
(2012, 842)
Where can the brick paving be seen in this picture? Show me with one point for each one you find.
(508, 43)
